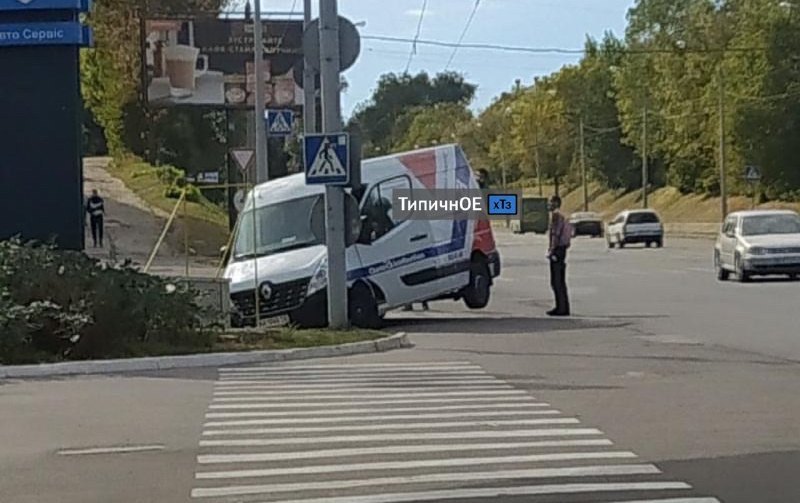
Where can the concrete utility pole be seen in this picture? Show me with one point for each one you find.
(723, 187)
(309, 84)
(334, 196)
(645, 164)
(262, 172)
(583, 170)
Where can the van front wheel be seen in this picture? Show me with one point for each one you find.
(363, 307)
(478, 292)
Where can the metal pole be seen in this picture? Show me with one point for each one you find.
(723, 188)
(583, 170)
(309, 81)
(334, 196)
(645, 164)
(262, 173)
(185, 233)
(538, 163)
(505, 186)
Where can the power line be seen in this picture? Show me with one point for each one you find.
(547, 50)
(463, 33)
(416, 35)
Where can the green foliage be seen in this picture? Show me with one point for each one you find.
(57, 305)
(383, 122)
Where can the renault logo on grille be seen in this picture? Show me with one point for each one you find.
(266, 291)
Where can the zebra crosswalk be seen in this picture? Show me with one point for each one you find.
(407, 432)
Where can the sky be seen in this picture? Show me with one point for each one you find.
(529, 23)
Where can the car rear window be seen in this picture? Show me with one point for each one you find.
(643, 218)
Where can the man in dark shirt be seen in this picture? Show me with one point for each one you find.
(95, 208)
(557, 255)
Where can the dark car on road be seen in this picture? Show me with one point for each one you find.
(587, 223)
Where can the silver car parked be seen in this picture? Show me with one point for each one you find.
(758, 243)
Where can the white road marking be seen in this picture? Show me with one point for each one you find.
(122, 449)
(674, 500)
(491, 492)
(270, 384)
(311, 390)
(357, 367)
(363, 418)
(255, 457)
(553, 432)
(383, 410)
(315, 376)
(415, 464)
(486, 423)
(293, 395)
(428, 478)
(322, 405)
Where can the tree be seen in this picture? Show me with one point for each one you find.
(439, 124)
(382, 122)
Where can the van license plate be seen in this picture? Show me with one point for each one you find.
(275, 321)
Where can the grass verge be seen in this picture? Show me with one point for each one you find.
(207, 223)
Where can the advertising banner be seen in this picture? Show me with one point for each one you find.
(209, 62)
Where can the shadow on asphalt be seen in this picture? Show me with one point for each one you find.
(750, 478)
(509, 325)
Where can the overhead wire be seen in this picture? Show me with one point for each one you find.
(413, 50)
(463, 33)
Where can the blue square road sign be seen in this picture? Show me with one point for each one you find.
(327, 159)
(280, 122)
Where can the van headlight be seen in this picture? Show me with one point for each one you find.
(319, 279)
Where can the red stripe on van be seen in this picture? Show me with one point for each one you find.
(423, 166)
(484, 238)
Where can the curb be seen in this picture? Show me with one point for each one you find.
(397, 341)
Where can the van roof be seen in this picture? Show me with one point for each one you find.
(294, 186)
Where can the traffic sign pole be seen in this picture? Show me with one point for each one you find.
(262, 171)
(334, 196)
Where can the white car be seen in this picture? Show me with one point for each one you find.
(758, 243)
(635, 226)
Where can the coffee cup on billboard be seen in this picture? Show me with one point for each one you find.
(181, 68)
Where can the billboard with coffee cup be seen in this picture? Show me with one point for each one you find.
(209, 62)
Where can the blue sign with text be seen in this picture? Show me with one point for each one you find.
(72, 5)
(502, 204)
(62, 33)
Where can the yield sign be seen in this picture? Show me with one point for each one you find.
(243, 157)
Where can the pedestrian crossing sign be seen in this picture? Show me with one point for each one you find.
(279, 122)
(327, 159)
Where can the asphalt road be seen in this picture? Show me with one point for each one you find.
(666, 386)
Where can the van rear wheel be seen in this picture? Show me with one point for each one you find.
(363, 307)
(478, 292)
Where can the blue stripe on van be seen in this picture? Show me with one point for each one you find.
(456, 243)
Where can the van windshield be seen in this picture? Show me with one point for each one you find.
(643, 218)
(280, 227)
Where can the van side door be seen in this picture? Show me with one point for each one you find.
(390, 249)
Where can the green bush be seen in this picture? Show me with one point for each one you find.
(61, 305)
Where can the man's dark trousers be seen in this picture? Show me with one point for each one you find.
(558, 279)
(97, 229)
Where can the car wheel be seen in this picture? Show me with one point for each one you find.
(363, 307)
(660, 243)
(648, 244)
(722, 273)
(741, 274)
(793, 277)
(478, 292)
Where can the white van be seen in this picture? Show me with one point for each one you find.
(391, 263)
